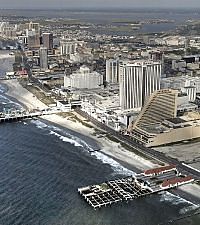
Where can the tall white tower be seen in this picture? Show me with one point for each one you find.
(68, 47)
(112, 71)
(138, 80)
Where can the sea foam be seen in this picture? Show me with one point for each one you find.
(78, 142)
(175, 199)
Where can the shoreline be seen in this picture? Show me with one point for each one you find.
(108, 147)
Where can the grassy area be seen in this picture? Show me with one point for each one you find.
(37, 92)
(18, 57)
(74, 118)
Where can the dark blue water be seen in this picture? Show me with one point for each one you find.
(43, 165)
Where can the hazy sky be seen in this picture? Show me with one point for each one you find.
(98, 3)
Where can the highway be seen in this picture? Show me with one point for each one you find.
(141, 148)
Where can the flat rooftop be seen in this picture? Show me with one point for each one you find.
(155, 128)
(176, 120)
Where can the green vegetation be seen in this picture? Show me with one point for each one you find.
(71, 116)
(37, 92)
(18, 57)
(17, 65)
(193, 51)
(104, 187)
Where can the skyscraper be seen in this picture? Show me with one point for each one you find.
(67, 47)
(34, 26)
(47, 40)
(33, 39)
(43, 58)
(112, 71)
(138, 80)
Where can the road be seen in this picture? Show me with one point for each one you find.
(30, 76)
(141, 148)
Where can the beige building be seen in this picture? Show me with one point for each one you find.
(157, 123)
(160, 105)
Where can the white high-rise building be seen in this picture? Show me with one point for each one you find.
(191, 92)
(67, 47)
(83, 79)
(43, 58)
(112, 71)
(138, 80)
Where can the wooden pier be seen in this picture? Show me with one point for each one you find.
(132, 187)
(14, 116)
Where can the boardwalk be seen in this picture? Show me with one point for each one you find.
(152, 153)
(14, 116)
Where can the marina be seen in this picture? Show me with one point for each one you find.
(129, 188)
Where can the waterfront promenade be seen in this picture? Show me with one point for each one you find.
(142, 149)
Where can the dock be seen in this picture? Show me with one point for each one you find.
(132, 187)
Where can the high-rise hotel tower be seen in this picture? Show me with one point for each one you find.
(112, 71)
(137, 81)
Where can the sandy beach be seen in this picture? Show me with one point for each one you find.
(113, 149)
(16, 91)
(108, 147)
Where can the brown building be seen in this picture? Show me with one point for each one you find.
(34, 41)
(47, 40)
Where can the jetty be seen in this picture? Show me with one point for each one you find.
(129, 188)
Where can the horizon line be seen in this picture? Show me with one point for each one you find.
(104, 8)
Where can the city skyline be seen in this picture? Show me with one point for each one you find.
(60, 4)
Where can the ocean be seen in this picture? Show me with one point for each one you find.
(41, 167)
